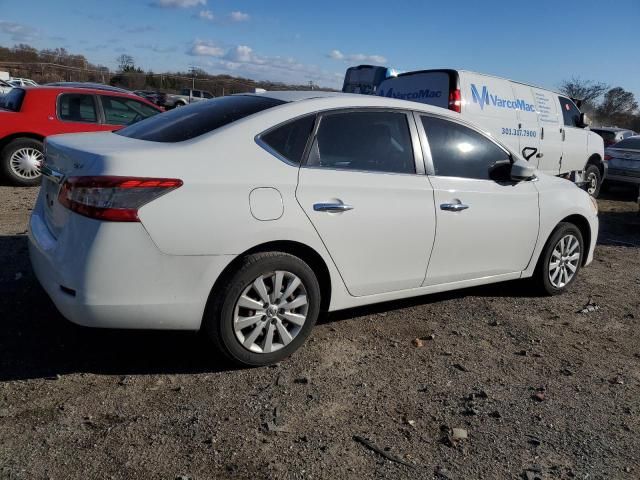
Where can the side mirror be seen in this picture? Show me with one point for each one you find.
(585, 121)
(521, 171)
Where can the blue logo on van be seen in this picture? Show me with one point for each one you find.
(415, 95)
(485, 98)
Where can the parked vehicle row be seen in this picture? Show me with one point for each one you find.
(612, 135)
(546, 127)
(30, 114)
(304, 201)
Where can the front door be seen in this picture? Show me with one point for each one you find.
(574, 146)
(361, 190)
(487, 224)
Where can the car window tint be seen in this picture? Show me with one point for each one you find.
(198, 118)
(371, 141)
(570, 112)
(207, 95)
(458, 151)
(77, 107)
(124, 111)
(290, 139)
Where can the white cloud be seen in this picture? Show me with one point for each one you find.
(179, 3)
(206, 15)
(239, 16)
(206, 49)
(18, 32)
(356, 57)
(242, 60)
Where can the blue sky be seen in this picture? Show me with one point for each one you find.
(540, 42)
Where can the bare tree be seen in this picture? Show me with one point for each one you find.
(125, 63)
(587, 91)
(618, 107)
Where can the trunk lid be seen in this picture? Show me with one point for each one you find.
(85, 154)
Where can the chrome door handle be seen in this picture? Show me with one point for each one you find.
(453, 207)
(332, 207)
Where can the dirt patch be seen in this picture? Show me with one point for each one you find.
(538, 387)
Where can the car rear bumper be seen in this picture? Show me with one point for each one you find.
(624, 177)
(112, 275)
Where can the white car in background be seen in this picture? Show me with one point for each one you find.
(5, 87)
(247, 215)
(22, 82)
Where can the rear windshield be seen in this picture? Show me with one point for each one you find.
(12, 100)
(189, 122)
(633, 143)
(605, 134)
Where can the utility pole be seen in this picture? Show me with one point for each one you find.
(310, 84)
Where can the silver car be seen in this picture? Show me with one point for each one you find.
(623, 160)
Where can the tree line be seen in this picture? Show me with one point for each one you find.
(607, 106)
(59, 65)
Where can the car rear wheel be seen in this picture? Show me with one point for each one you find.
(20, 161)
(265, 310)
(594, 180)
(561, 259)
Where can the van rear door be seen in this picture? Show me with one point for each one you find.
(428, 86)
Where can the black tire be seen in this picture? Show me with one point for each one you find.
(593, 177)
(179, 104)
(541, 276)
(218, 322)
(8, 172)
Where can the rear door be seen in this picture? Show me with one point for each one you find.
(431, 87)
(363, 187)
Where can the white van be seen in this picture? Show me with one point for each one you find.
(545, 127)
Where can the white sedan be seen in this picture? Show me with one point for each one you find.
(248, 215)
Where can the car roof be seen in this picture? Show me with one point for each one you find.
(331, 100)
(297, 95)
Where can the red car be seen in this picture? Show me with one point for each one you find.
(29, 114)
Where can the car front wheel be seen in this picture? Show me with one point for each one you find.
(20, 161)
(594, 180)
(266, 309)
(561, 259)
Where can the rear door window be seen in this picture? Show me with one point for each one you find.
(124, 111)
(458, 151)
(77, 107)
(570, 112)
(197, 119)
(365, 141)
(290, 140)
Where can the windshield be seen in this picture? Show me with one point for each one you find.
(197, 119)
(12, 100)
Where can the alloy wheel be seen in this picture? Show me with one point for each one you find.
(563, 263)
(270, 312)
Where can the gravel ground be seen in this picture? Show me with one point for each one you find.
(542, 390)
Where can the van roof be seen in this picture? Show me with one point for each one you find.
(458, 70)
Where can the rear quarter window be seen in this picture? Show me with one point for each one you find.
(197, 119)
(290, 140)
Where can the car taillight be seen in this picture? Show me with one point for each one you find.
(607, 157)
(110, 198)
(455, 100)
